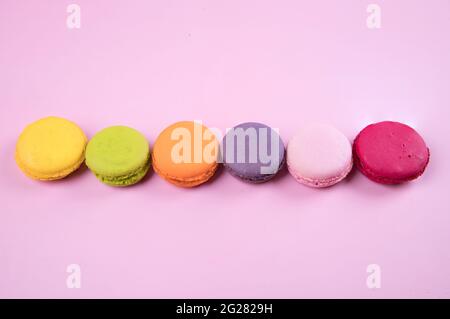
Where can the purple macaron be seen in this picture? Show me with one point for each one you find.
(253, 152)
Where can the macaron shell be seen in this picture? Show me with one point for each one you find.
(319, 156)
(251, 168)
(50, 148)
(390, 152)
(117, 151)
(197, 169)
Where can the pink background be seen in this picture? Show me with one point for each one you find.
(147, 64)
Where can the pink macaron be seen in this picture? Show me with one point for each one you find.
(319, 155)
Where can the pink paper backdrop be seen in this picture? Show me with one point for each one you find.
(147, 64)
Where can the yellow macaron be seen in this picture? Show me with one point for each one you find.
(50, 148)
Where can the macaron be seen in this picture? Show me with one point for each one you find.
(185, 154)
(50, 148)
(118, 156)
(253, 152)
(319, 155)
(390, 153)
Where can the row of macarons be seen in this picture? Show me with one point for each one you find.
(188, 153)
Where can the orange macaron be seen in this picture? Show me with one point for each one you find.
(185, 154)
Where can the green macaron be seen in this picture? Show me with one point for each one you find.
(118, 156)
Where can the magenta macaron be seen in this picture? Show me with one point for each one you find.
(390, 152)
